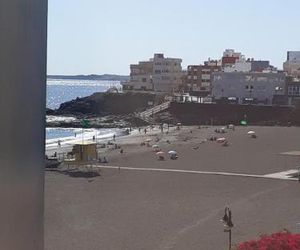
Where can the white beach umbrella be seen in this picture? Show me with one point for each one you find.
(148, 140)
(155, 146)
(222, 139)
(251, 132)
(172, 152)
(160, 153)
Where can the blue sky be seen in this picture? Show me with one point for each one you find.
(105, 36)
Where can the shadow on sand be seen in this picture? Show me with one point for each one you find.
(77, 173)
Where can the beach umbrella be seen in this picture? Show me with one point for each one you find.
(155, 146)
(172, 152)
(148, 140)
(251, 132)
(221, 140)
(160, 155)
(243, 122)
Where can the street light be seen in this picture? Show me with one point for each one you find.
(228, 225)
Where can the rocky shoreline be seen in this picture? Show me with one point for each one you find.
(118, 110)
(110, 121)
(102, 110)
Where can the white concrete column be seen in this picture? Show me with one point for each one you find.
(23, 37)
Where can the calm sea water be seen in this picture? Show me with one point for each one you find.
(59, 91)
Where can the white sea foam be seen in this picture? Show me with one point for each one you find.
(52, 118)
(87, 135)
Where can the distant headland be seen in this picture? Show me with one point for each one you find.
(105, 77)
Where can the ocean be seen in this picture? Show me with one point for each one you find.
(59, 91)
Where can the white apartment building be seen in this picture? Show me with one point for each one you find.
(240, 66)
(235, 62)
(159, 74)
(241, 86)
(292, 64)
(231, 53)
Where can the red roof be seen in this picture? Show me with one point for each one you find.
(229, 59)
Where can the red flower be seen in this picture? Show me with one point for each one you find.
(276, 241)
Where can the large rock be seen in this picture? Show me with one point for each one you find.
(108, 103)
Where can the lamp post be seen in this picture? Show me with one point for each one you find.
(228, 225)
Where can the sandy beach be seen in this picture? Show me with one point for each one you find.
(144, 203)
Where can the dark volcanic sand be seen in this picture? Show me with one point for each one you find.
(153, 210)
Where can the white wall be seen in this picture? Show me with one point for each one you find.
(239, 67)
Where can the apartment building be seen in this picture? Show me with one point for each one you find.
(250, 87)
(235, 62)
(159, 74)
(292, 64)
(199, 77)
(140, 77)
(167, 73)
(293, 90)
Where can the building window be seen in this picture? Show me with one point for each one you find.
(195, 77)
(157, 71)
(144, 80)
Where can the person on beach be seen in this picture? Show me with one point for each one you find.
(75, 135)
(139, 130)
(145, 131)
(94, 138)
(114, 136)
(58, 143)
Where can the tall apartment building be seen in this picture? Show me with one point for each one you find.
(199, 77)
(292, 64)
(159, 74)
